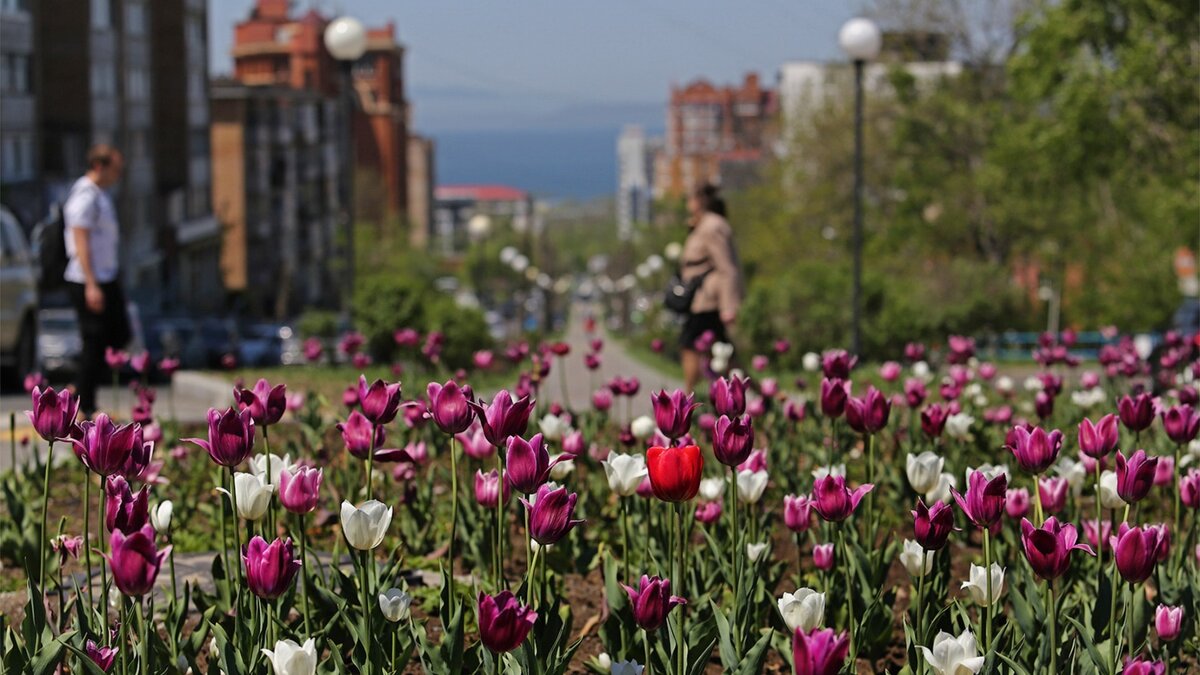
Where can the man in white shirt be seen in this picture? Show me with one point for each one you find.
(92, 275)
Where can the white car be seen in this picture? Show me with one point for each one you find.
(18, 302)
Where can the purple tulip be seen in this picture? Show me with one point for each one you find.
(504, 417)
(797, 513)
(1097, 536)
(487, 489)
(836, 364)
(728, 395)
(53, 414)
(1136, 551)
(1043, 404)
(890, 371)
(757, 461)
(591, 361)
(573, 443)
(125, 510)
(1099, 439)
(1135, 475)
(1165, 473)
(135, 561)
(103, 447)
(1140, 666)
(1181, 423)
(834, 393)
(823, 557)
(673, 412)
(1048, 548)
(230, 436)
(550, 514)
(503, 621)
(1052, 490)
(270, 568)
(652, 602)
(1035, 450)
(933, 420)
(794, 411)
(115, 358)
(833, 501)
(1189, 489)
(914, 392)
(984, 500)
(529, 463)
(1016, 502)
(449, 407)
(819, 651)
(1168, 621)
(266, 404)
(961, 349)
(733, 439)
(932, 525)
(708, 512)
(869, 414)
(357, 433)
(769, 387)
(475, 444)
(380, 401)
(1136, 412)
(101, 656)
(300, 489)
(602, 399)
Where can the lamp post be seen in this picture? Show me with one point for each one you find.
(860, 39)
(346, 40)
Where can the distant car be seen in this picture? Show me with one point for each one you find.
(269, 344)
(58, 341)
(220, 339)
(176, 337)
(18, 301)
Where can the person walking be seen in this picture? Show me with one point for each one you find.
(709, 253)
(93, 280)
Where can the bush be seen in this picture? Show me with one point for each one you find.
(318, 323)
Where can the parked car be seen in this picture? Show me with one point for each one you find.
(18, 302)
(177, 337)
(220, 338)
(59, 343)
(261, 344)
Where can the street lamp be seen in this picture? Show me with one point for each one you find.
(346, 40)
(860, 39)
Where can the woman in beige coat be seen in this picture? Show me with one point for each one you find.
(708, 251)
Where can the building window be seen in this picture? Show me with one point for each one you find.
(104, 79)
(14, 74)
(14, 6)
(135, 19)
(101, 14)
(137, 84)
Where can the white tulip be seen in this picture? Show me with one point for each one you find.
(976, 585)
(989, 471)
(1033, 384)
(643, 427)
(258, 466)
(711, 489)
(1109, 498)
(953, 655)
(1192, 455)
(755, 551)
(718, 365)
(910, 558)
(941, 491)
(980, 401)
(1088, 398)
(394, 603)
(1074, 472)
(804, 609)
(750, 486)
(958, 426)
(160, 516)
(604, 660)
(365, 526)
(722, 350)
(924, 470)
(1004, 384)
(562, 469)
(290, 658)
(812, 361)
(626, 668)
(253, 495)
(553, 427)
(973, 390)
(835, 471)
(625, 473)
(921, 371)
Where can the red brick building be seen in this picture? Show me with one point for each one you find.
(271, 47)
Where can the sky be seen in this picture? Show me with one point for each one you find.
(522, 64)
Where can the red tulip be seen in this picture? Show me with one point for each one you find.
(675, 472)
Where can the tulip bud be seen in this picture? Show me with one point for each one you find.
(270, 568)
(135, 561)
(833, 501)
(1016, 502)
(1136, 412)
(642, 428)
(103, 657)
(652, 601)
(802, 610)
(823, 557)
(160, 516)
(1167, 622)
(976, 584)
(751, 485)
(299, 489)
(1099, 439)
(624, 473)
(675, 472)
(252, 495)
(365, 526)
(755, 551)
(819, 651)
(550, 514)
(503, 622)
(290, 658)
(394, 604)
(1135, 475)
(797, 513)
(954, 655)
(1053, 493)
(911, 558)
(708, 512)
(923, 471)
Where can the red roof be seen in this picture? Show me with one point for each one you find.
(481, 193)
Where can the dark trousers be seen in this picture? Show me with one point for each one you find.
(109, 328)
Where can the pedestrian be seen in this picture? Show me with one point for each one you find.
(92, 275)
(710, 255)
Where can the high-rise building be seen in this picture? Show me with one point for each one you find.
(20, 164)
(421, 171)
(635, 167)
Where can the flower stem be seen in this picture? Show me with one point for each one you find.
(871, 495)
(270, 524)
(103, 604)
(500, 533)
(681, 648)
(45, 512)
(144, 637)
(304, 569)
(1113, 636)
(366, 608)
(453, 510)
(646, 650)
(987, 609)
(1037, 504)
(845, 562)
(921, 599)
(1100, 543)
(625, 553)
(1051, 612)
(735, 530)
(237, 538)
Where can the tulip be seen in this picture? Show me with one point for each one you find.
(923, 471)
(1180, 422)
(803, 610)
(53, 414)
(1189, 489)
(529, 463)
(230, 436)
(869, 414)
(823, 556)
(289, 658)
(675, 472)
(819, 651)
(984, 501)
(449, 407)
(834, 393)
(932, 525)
(259, 464)
(299, 489)
(914, 392)
(833, 470)
(394, 604)
(1097, 536)
(797, 513)
(270, 568)
(624, 473)
(910, 559)
(125, 510)
(1048, 548)
(1167, 622)
(553, 427)
(1109, 497)
(733, 439)
(1140, 666)
(475, 444)
(602, 399)
(751, 485)
(673, 412)
(253, 495)
(755, 551)
(1164, 474)
(933, 420)
(160, 516)
(1099, 439)
(711, 489)
(958, 426)
(360, 436)
(504, 417)
(365, 525)
(503, 621)
(837, 363)
(977, 584)
(101, 656)
(487, 492)
(642, 428)
(135, 561)
(757, 461)
(1053, 493)
(1136, 412)
(833, 501)
(379, 401)
(1016, 502)
(550, 514)
(953, 655)
(728, 395)
(1136, 550)
(652, 601)
(1135, 475)
(1035, 450)
(941, 492)
(103, 447)
(266, 404)
(708, 512)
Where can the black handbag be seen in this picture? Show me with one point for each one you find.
(680, 293)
